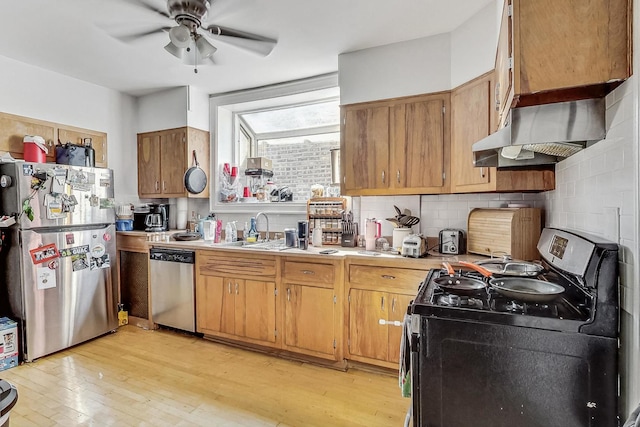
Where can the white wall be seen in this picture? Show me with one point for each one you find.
(473, 46)
(597, 192)
(400, 69)
(425, 65)
(166, 109)
(36, 93)
(198, 109)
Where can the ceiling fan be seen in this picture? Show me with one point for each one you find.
(189, 35)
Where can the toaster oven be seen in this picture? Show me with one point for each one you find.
(451, 241)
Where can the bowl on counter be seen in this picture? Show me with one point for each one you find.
(124, 224)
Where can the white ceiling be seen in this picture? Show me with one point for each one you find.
(72, 37)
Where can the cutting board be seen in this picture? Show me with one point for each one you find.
(501, 231)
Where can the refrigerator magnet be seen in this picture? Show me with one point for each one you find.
(98, 250)
(70, 238)
(100, 262)
(44, 253)
(79, 262)
(46, 278)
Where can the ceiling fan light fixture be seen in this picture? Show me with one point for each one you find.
(174, 50)
(205, 48)
(180, 36)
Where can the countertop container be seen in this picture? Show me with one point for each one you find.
(505, 231)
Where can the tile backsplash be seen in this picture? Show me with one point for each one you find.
(437, 212)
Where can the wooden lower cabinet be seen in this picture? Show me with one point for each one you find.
(378, 294)
(234, 306)
(313, 320)
(367, 336)
(308, 319)
(240, 307)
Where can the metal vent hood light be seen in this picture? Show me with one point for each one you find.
(543, 134)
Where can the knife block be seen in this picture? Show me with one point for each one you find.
(350, 240)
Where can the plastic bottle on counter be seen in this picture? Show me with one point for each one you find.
(252, 234)
(228, 233)
(234, 231)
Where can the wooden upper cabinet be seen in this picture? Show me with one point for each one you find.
(173, 160)
(149, 164)
(164, 157)
(14, 128)
(78, 136)
(365, 148)
(471, 112)
(472, 119)
(396, 146)
(562, 49)
(419, 155)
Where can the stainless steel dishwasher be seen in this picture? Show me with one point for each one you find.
(173, 288)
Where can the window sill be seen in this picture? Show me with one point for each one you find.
(279, 208)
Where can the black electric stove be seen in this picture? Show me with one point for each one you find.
(487, 360)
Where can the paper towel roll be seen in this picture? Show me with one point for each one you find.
(182, 204)
(181, 220)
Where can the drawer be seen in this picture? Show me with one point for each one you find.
(401, 279)
(230, 264)
(309, 273)
(131, 243)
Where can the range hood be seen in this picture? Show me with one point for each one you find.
(543, 134)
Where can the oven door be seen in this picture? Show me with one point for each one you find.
(468, 373)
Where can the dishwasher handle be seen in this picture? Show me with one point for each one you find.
(172, 255)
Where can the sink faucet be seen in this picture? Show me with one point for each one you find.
(266, 237)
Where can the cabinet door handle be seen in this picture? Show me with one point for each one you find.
(164, 186)
(308, 272)
(388, 277)
(288, 294)
(237, 291)
(383, 177)
(229, 287)
(398, 176)
(382, 303)
(344, 179)
(482, 174)
(157, 185)
(393, 305)
(497, 94)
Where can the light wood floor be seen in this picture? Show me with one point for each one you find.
(163, 378)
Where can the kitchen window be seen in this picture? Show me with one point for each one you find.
(298, 139)
(295, 125)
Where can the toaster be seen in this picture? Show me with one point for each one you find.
(414, 245)
(451, 242)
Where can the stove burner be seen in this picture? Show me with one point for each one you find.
(452, 300)
(506, 305)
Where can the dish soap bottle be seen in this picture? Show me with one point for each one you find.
(252, 235)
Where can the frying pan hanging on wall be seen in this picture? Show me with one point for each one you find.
(195, 179)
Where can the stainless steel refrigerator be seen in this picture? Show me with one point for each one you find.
(56, 262)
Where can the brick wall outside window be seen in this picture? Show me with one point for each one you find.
(299, 165)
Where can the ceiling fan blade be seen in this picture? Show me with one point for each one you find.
(144, 5)
(250, 42)
(128, 38)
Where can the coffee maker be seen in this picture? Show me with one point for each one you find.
(158, 218)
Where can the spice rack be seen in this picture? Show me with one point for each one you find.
(326, 213)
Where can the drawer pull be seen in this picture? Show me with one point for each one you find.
(388, 277)
(308, 272)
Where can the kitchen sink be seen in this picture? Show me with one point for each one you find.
(271, 245)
